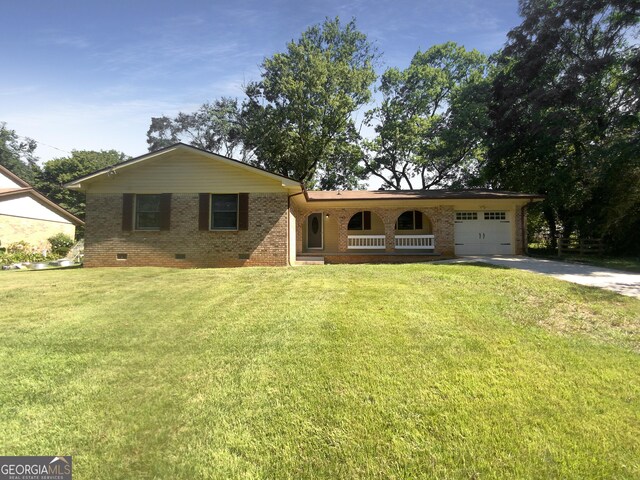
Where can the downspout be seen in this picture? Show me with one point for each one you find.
(289, 223)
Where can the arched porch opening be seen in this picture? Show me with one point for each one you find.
(413, 230)
(365, 231)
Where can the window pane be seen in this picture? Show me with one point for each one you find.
(148, 203)
(148, 221)
(405, 221)
(356, 222)
(225, 221)
(225, 203)
(466, 215)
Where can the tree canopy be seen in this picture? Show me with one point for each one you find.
(431, 124)
(299, 116)
(213, 127)
(55, 173)
(17, 155)
(565, 114)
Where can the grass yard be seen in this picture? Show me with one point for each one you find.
(413, 371)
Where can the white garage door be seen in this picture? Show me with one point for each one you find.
(483, 233)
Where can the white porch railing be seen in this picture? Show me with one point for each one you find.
(415, 242)
(366, 242)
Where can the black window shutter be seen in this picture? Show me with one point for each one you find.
(203, 213)
(165, 211)
(243, 211)
(418, 216)
(367, 220)
(127, 212)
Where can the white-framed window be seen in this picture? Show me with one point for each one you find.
(495, 215)
(466, 215)
(224, 211)
(147, 212)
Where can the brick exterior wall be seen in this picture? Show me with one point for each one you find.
(263, 244)
(441, 218)
(31, 230)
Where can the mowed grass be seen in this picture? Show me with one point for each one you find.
(411, 371)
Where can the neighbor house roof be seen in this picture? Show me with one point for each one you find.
(26, 189)
(286, 181)
(336, 195)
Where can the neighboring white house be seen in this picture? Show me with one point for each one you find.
(26, 214)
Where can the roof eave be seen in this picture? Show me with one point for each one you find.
(532, 198)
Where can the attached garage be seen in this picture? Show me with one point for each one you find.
(483, 233)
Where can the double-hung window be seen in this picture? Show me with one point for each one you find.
(147, 212)
(224, 211)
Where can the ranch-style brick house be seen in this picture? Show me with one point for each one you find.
(186, 207)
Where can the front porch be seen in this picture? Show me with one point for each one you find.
(375, 235)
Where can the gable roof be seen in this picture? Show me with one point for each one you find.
(286, 181)
(26, 189)
(334, 195)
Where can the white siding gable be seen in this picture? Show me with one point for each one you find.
(184, 172)
(27, 207)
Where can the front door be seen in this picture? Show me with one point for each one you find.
(314, 230)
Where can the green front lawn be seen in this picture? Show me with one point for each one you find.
(414, 371)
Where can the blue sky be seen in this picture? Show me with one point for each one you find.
(91, 74)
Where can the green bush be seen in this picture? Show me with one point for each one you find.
(19, 252)
(60, 244)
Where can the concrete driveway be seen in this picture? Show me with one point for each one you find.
(624, 283)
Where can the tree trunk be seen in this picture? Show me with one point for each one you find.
(550, 217)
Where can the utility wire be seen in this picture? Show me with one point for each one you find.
(45, 144)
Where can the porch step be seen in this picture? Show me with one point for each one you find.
(310, 261)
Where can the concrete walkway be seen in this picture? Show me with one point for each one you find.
(624, 283)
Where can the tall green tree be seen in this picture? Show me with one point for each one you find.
(17, 154)
(299, 117)
(566, 114)
(55, 173)
(431, 124)
(214, 127)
